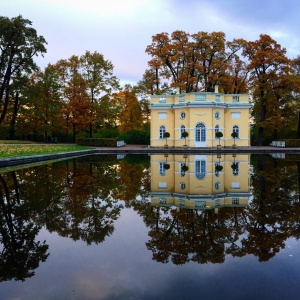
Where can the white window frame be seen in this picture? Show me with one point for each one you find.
(200, 168)
(236, 128)
(217, 129)
(235, 115)
(235, 185)
(162, 185)
(162, 130)
(162, 115)
(236, 171)
(182, 129)
(200, 132)
(162, 170)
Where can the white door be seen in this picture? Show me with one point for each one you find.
(200, 135)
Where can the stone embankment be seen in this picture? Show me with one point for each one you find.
(142, 149)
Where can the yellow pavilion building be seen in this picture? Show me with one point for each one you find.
(201, 115)
(200, 181)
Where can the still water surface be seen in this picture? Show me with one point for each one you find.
(152, 227)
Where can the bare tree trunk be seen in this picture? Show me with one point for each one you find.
(156, 79)
(12, 128)
(261, 129)
(298, 129)
(74, 132)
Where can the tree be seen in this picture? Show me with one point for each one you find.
(130, 116)
(192, 62)
(184, 168)
(270, 81)
(145, 111)
(85, 82)
(98, 75)
(234, 136)
(218, 167)
(235, 78)
(42, 103)
(21, 252)
(149, 85)
(166, 136)
(295, 102)
(107, 111)
(77, 108)
(19, 43)
(17, 90)
(219, 134)
(185, 134)
(142, 93)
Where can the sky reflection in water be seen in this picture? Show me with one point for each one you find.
(121, 267)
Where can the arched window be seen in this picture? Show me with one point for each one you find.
(217, 129)
(200, 133)
(162, 170)
(182, 129)
(200, 169)
(218, 168)
(236, 129)
(162, 130)
(182, 173)
(236, 169)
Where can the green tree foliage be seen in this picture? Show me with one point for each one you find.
(40, 111)
(98, 74)
(85, 82)
(19, 43)
(184, 135)
(294, 111)
(136, 137)
(21, 253)
(142, 93)
(219, 134)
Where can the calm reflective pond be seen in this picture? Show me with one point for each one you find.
(152, 227)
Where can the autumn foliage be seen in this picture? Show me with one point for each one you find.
(197, 62)
(80, 96)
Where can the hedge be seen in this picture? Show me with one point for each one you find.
(96, 142)
(292, 142)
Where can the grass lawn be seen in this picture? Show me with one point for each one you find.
(19, 150)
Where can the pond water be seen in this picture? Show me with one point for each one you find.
(152, 227)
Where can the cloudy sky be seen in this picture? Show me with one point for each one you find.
(122, 29)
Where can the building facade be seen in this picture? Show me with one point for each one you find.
(200, 181)
(201, 115)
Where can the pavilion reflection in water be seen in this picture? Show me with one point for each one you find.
(200, 181)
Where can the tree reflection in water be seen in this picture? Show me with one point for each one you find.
(194, 235)
(261, 229)
(78, 198)
(20, 254)
(82, 198)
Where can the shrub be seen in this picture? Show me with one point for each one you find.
(166, 166)
(184, 168)
(219, 168)
(107, 133)
(138, 137)
(94, 142)
(292, 143)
